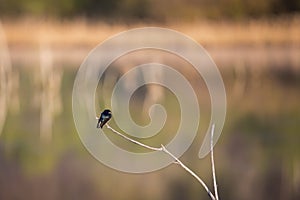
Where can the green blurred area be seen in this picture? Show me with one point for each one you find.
(159, 11)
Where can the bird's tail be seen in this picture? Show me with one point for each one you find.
(99, 125)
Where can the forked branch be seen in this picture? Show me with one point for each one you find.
(177, 161)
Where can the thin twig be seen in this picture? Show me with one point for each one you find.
(213, 162)
(134, 141)
(163, 149)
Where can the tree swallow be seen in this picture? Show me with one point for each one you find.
(104, 117)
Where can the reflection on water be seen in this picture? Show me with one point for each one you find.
(9, 82)
(257, 156)
(48, 81)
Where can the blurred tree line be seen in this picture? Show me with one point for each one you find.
(154, 10)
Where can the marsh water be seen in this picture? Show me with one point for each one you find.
(257, 155)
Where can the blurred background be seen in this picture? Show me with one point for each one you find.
(255, 44)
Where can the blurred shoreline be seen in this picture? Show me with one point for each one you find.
(81, 32)
(276, 41)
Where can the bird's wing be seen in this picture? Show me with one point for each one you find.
(104, 122)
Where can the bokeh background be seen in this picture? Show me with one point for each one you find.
(255, 44)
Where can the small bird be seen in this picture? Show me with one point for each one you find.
(104, 118)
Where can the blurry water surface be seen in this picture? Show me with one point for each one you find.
(257, 156)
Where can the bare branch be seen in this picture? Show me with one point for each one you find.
(213, 162)
(134, 141)
(189, 171)
(163, 149)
